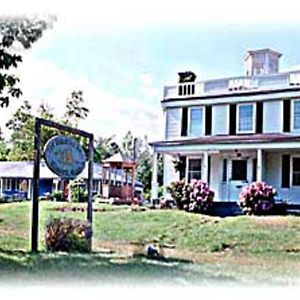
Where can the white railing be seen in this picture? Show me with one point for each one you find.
(231, 85)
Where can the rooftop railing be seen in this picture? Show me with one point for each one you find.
(232, 85)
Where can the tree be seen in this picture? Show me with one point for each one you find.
(75, 109)
(22, 138)
(23, 122)
(23, 31)
(104, 148)
(3, 148)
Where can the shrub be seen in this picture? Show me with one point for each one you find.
(58, 196)
(68, 235)
(78, 190)
(200, 196)
(195, 196)
(257, 198)
(178, 191)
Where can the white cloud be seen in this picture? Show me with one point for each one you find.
(43, 81)
(156, 11)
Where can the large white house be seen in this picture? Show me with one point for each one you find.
(233, 131)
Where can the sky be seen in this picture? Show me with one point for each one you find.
(121, 54)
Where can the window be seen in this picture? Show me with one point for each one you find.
(239, 170)
(296, 115)
(296, 171)
(224, 174)
(196, 122)
(245, 121)
(194, 170)
(7, 184)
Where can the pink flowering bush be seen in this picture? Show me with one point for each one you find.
(194, 197)
(200, 196)
(257, 198)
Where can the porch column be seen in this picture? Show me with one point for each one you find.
(259, 168)
(154, 184)
(29, 190)
(1, 187)
(205, 167)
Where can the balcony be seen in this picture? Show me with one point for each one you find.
(233, 85)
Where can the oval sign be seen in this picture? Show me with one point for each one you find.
(64, 156)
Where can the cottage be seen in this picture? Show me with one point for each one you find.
(16, 180)
(233, 131)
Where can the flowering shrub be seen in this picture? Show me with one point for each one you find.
(200, 196)
(68, 235)
(257, 198)
(195, 196)
(178, 191)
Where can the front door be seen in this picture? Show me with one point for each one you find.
(237, 179)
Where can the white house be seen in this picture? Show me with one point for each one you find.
(232, 131)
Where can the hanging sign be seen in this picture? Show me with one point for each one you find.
(64, 156)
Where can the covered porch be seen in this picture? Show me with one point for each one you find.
(229, 164)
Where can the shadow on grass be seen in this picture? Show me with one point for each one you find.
(61, 268)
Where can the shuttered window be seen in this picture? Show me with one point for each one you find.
(196, 122)
(194, 171)
(259, 117)
(184, 121)
(286, 115)
(296, 115)
(296, 170)
(285, 171)
(245, 118)
(232, 119)
(208, 120)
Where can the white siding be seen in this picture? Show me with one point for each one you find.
(173, 123)
(216, 176)
(169, 171)
(273, 116)
(273, 177)
(220, 119)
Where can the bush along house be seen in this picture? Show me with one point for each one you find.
(233, 131)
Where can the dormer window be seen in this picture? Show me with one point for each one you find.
(245, 118)
(196, 121)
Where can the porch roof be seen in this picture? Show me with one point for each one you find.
(253, 139)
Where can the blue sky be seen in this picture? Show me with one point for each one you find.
(121, 55)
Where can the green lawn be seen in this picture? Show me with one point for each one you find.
(199, 248)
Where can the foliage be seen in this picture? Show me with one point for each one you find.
(22, 126)
(68, 235)
(78, 190)
(257, 198)
(75, 109)
(195, 196)
(3, 148)
(21, 31)
(177, 190)
(104, 148)
(200, 196)
(58, 196)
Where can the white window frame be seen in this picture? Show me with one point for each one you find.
(292, 115)
(7, 184)
(188, 165)
(189, 121)
(292, 171)
(253, 118)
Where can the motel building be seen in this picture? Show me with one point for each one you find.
(232, 131)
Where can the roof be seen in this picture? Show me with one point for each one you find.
(233, 139)
(24, 169)
(266, 50)
(118, 160)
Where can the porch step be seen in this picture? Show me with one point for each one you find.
(226, 209)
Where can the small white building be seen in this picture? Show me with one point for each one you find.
(233, 131)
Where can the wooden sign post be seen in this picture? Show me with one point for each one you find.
(36, 173)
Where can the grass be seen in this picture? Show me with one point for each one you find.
(235, 249)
